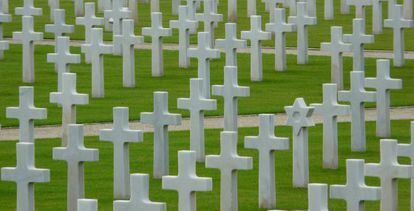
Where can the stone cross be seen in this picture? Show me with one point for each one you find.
(231, 10)
(318, 197)
(229, 163)
(291, 4)
(359, 7)
(197, 104)
(270, 6)
(230, 91)
(408, 9)
(230, 44)
(388, 170)
(358, 39)
(87, 205)
(117, 13)
(357, 96)
(174, 6)
(79, 10)
(337, 47)
(124, 44)
(279, 27)
(267, 144)
(311, 8)
(187, 183)
(344, 7)
(139, 196)
(391, 4)
(25, 174)
(185, 26)
(330, 110)
(5, 5)
(28, 9)
(28, 36)
(75, 154)
(329, 9)
(302, 20)
(407, 150)
(192, 8)
(383, 84)
(355, 192)
(26, 113)
(133, 7)
(299, 117)
(256, 36)
(53, 5)
(157, 32)
(120, 136)
(96, 50)
(398, 23)
(160, 118)
(204, 53)
(377, 16)
(210, 19)
(68, 98)
(89, 21)
(4, 18)
(155, 6)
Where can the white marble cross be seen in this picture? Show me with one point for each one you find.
(230, 44)
(53, 5)
(192, 8)
(279, 27)
(229, 163)
(210, 19)
(337, 47)
(75, 154)
(377, 16)
(231, 10)
(116, 14)
(155, 6)
(4, 18)
(299, 117)
(96, 50)
(124, 44)
(270, 6)
(133, 7)
(197, 104)
(89, 21)
(87, 205)
(204, 53)
(256, 36)
(187, 183)
(317, 197)
(329, 109)
(25, 174)
(407, 150)
(267, 144)
(231, 91)
(383, 84)
(160, 118)
(357, 96)
(329, 9)
(358, 39)
(355, 192)
(28, 36)
(139, 196)
(388, 170)
(157, 32)
(26, 113)
(344, 7)
(302, 21)
(120, 136)
(408, 9)
(359, 7)
(398, 24)
(28, 9)
(68, 98)
(185, 26)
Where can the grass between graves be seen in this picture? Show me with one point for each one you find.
(98, 179)
(317, 34)
(278, 89)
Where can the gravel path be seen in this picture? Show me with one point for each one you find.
(400, 113)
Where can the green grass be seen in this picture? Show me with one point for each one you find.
(317, 34)
(278, 89)
(98, 179)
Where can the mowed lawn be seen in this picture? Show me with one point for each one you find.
(98, 179)
(317, 34)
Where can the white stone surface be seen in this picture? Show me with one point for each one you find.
(96, 49)
(383, 84)
(377, 16)
(204, 53)
(251, 7)
(388, 170)
(155, 6)
(26, 113)
(407, 150)
(157, 32)
(68, 98)
(231, 10)
(160, 119)
(267, 144)
(27, 37)
(344, 7)
(174, 6)
(317, 197)
(133, 7)
(4, 18)
(231, 91)
(337, 47)
(53, 5)
(355, 192)
(28, 9)
(187, 183)
(75, 154)
(87, 205)
(25, 174)
(116, 14)
(270, 6)
(357, 96)
(197, 104)
(78, 7)
(124, 44)
(139, 196)
(329, 9)
(256, 36)
(120, 136)
(329, 109)
(210, 19)
(408, 9)
(229, 163)
(360, 6)
(230, 44)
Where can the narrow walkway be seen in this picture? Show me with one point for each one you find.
(400, 113)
